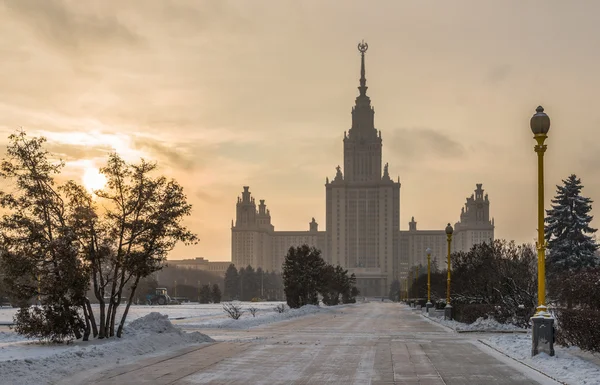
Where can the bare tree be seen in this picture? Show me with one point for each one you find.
(232, 310)
(57, 239)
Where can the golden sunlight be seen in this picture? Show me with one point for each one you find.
(92, 179)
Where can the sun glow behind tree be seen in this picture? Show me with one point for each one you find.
(93, 179)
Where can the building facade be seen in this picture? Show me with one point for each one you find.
(363, 203)
(218, 268)
(362, 218)
(474, 227)
(255, 242)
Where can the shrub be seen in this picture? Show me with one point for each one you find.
(280, 308)
(469, 313)
(253, 311)
(578, 328)
(440, 304)
(232, 310)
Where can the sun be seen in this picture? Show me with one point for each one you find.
(92, 179)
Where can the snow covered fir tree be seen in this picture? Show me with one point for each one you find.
(570, 240)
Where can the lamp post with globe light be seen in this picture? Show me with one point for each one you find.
(448, 308)
(428, 305)
(543, 322)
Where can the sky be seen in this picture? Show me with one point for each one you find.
(224, 94)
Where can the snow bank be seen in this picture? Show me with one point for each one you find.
(564, 366)
(480, 325)
(29, 362)
(263, 316)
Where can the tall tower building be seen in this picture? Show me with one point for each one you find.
(363, 203)
(362, 218)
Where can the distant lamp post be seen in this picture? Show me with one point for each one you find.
(409, 285)
(448, 308)
(428, 305)
(417, 284)
(543, 322)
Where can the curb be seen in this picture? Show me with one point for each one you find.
(478, 330)
(493, 331)
(437, 323)
(522, 363)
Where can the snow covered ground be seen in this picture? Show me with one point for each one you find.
(29, 362)
(147, 333)
(569, 365)
(185, 310)
(480, 325)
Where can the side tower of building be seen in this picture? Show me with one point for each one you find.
(251, 233)
(475, 225)
(363, 203)
(255, 242)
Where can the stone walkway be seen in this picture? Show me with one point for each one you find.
(373, 343)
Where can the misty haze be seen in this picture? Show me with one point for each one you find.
(201, 192)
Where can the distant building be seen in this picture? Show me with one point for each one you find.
(255, 242)
(218, 268)
(474, 227)
(362, 216)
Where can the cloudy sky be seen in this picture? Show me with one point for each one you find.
(230, 93)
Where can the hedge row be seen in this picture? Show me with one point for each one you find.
(578, 327)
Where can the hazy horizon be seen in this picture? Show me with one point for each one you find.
(225, 94)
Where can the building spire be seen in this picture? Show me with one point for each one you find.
(362, 48)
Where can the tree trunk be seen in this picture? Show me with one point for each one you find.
(92, 317)
(86, 332)
(109, 312)
(124, 316)
(102, 331)
(113, 315)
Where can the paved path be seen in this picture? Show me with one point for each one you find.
(373, 343)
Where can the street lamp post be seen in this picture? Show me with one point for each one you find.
(409, 287)
(448, 308)
(543, 322)
(417, 284)
(428, 305)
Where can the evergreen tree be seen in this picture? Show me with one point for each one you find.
(336, 283)
(205, 294)
(231, 284)
(568, 231)
(394, 290)
(242, 277)
(260, 282)
(216, 294)
(302, 271)
(249, 284)
(350, 290)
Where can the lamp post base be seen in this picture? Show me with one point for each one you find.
(448, 312)
(428, 306)
(542, 336)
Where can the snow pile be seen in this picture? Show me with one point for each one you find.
(480, 325)
(29, 362)
(263, 316)
(152, 323)
(564, 366)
